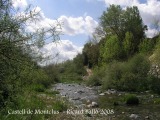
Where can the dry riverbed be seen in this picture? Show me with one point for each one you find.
(108, 105)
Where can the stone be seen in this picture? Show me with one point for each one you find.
(76, 98)
(147, 117)
(94, 104)
(119, 94)
(134, 116)
(80, 92)
(102, 94)
(88, 101)
(152, 96)
(107, 92)
(89, 106)
(112, 91)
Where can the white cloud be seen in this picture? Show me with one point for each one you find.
(65, 49)
(78, 25)
(120, 2)
(70, 25)
(19, 3)
(149, 11)
(151, 32)
(59, 52)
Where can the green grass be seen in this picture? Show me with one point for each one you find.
(148, 106)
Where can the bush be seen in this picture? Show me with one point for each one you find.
(131, 99)
(94, 80)
(154, 84)
(113, 76)
(157, 101)
(39, 88)
(128, 76)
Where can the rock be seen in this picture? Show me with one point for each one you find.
(94, 104)
(107, 92)
(75, 98)
(111, 91)
(88, 101)
(134, 116)
(147, 91)
(80, 92)
(152, 96)
(89, 106)
(102, 94)
(147, 117)
(119, 94)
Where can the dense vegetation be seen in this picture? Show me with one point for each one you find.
(20, 75)
(120, 59)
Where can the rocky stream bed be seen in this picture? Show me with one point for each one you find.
(88, 98)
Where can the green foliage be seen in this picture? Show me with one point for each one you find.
(19, 71)
(39, 88)
(79, 66)
(60, 106)
(72, 70)
(111, 20)
(155, 58)
(154, 84)
(157, 101)
(131, 99)
(126, 24)
(96, 78)
(91, 54)
(134, 24)
(53, 73)
(147, 46)
(128, 44)
(113, 75)
(128, 76)
(111, 49)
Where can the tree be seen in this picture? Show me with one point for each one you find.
(116, 21)
(91, 54)
(133, 23)
(111, 50)
(111, 20)
(128, 44)
(18, 61)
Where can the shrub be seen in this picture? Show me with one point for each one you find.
(39, 88)
(131, 99)
(147, 45)
(154, 84)
(113, 75)
(157, 101)
(128, 76)
(94, 80)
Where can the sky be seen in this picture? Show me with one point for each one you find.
(79, 18)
